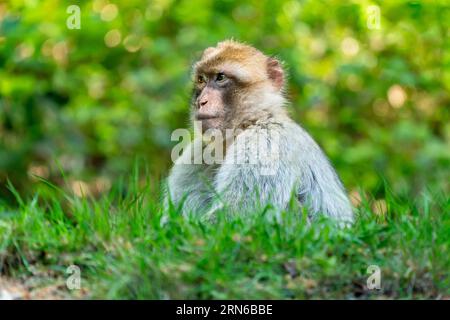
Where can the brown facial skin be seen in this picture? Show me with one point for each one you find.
(210, 107)
(234, 85)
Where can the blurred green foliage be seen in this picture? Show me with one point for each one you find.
(90, 101)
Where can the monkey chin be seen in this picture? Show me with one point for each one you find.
(211, 125)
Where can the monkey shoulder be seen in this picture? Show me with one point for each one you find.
(289, 136)
(273, 141)
(189, 168)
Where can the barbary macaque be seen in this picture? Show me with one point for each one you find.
(265, 157)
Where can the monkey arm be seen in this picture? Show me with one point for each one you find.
(189, 184)
(255, 174)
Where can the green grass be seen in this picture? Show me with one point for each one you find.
(125, 252)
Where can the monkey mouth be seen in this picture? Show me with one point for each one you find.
(206, 116)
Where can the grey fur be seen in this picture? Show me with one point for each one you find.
(301, 167)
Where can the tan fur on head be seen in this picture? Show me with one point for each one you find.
(248, 63)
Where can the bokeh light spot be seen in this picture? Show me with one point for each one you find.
(113, 38)
(350, 47)
(396, 96)
(109, 12)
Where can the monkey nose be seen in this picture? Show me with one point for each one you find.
(203, 103)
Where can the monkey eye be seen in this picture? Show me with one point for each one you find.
(220, 77)
(201, 79)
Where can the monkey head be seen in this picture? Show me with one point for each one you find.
(234, 86)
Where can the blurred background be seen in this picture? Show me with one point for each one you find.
(369, 79)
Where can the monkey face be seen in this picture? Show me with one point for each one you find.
(232, 84)
(211, 103)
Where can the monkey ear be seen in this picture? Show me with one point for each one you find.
(275, 72)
